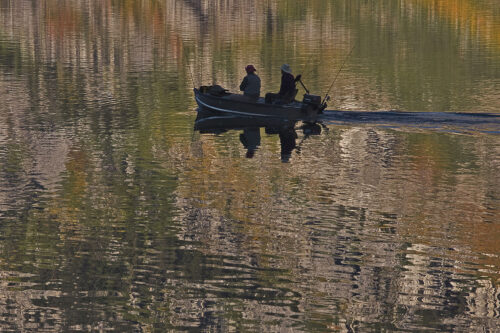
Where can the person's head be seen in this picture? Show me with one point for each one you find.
(250, 69)
(286, 68)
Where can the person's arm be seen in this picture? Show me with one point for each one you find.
(244, 84)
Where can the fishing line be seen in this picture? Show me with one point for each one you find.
(336, 76)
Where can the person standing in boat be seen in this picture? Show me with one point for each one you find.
(251, 84)
(287, 88)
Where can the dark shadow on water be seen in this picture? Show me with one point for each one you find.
(250, 127)
(477, 122)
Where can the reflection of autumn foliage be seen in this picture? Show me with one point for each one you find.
(442, 190)
(453, 199)
(417, 71)
(62, 20)
(68, 211)
(76, 169)
(63, 17)
(477, 18)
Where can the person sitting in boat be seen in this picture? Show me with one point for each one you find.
(251, 84)
(287, 88)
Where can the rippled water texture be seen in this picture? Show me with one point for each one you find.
(116, 214)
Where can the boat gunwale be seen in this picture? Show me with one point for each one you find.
(266, 107)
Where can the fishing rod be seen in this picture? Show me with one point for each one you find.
(336, 76)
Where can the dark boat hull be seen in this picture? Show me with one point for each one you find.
(230, 104)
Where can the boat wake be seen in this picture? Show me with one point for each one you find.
(447, 121)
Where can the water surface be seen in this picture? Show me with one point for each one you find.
(117, 214)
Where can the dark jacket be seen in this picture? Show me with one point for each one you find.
(251, 85)
(287, 88)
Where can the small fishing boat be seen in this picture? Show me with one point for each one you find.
(217, 99)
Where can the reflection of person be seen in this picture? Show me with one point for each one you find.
(287, 141)
(250, 138)
(287, 88)
(251, 83)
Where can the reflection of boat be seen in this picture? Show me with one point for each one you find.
(208, 122)
(216, 99)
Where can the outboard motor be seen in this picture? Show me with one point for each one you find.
(311, 101)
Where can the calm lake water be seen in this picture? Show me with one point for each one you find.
(117, 215)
